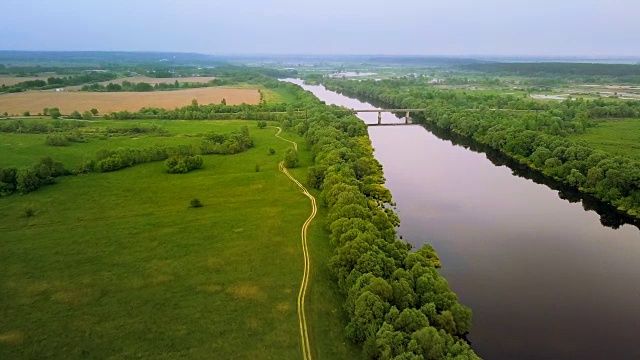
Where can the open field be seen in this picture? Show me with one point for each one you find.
(150, 80)
(615, 136)
(106, 102)
(115, 265)
(12, 80)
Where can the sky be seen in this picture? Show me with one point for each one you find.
(394, 27)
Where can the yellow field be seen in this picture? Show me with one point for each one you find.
(106, 102)
(12, 80)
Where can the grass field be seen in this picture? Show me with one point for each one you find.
(618, 137)
(106, 102)
(115, 265)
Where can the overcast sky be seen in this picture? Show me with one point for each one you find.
(417, 27)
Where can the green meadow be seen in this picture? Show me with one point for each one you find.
(117, 265)
(615, 136)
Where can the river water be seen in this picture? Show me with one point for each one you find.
(544, 277)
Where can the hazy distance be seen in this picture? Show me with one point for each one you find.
(417, 27)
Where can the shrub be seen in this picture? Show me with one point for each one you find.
(182, 164)
(28, 211)
(56, 140)
(272, 151)
(195, 203)
(262, 124)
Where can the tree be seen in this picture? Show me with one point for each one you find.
(54, 113)
(94, 111)
(195, 203)
(143, 87)
(224, 101)
(75, 115)
(87, 115)
(26, 113)
(262, 124)
(291, 158)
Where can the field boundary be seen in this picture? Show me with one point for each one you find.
(302, 320)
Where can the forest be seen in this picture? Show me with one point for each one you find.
(626, 73)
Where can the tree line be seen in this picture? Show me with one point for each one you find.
(537, 139)
(57, 82)
(398, 305)
(627, 73)
(145, 87)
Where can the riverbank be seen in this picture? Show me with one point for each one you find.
(522, 255)
(607, 178)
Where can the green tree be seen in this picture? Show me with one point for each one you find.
(75, 115)
(54, 113)
(94, 111)
(291, 158)
(87, 115)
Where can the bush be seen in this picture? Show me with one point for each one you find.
(262, 124)
(195, 203)
(182, 164)
(272, 151)
(26, 113)
(28, 211)
(56, 140)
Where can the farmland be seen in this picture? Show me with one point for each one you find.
(127, 262)
(35, 101)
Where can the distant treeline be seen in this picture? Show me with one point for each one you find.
(263, 111)
(537, 139)
(56, 82)
(144, 86)
(39, 126)
(619, 71)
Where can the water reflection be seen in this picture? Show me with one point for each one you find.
(609, 215)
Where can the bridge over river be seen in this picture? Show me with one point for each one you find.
(380, 111)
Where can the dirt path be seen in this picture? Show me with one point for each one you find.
(304, 335)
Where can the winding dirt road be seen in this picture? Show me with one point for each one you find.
(304, 335)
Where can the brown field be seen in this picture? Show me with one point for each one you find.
(106, 102)
(152, 81)
(12, 80)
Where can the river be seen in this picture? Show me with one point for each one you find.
(544, 277)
